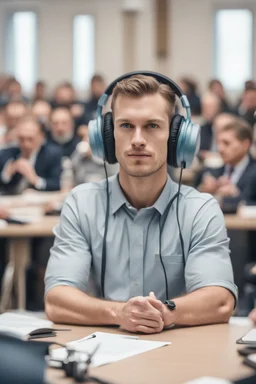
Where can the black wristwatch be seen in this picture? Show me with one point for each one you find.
(170, 304)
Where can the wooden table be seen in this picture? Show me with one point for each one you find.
(19, 256)
(194, 352)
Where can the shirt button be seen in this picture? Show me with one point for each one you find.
(136, 282)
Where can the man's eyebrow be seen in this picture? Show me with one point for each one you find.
(156, 120)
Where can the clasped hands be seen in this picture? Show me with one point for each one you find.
(221, 186)
(23, 167)
(144, 314)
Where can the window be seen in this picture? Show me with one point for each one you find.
(83, 51)
(21, 48)
(233, 47)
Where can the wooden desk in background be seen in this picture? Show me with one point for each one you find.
(19, 256)
(194, 352)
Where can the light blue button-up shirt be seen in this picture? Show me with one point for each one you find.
(133, 266)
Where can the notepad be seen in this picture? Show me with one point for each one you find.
(111, 347)
(249, 338)
(25, 327)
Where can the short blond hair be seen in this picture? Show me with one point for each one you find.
(140, 85)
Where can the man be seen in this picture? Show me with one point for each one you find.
(13, 112)
(229, 181)
(62, 130)
(32, 164)
(247, 107)
(202, 290)
(211, 107)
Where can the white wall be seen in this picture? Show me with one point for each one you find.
(190, 45)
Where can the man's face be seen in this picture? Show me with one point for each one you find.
(141, 130)
(61, 123)
(97, 88)
(13, 113)
(30, 137)
(230, 148)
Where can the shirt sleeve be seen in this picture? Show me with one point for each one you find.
(208, 262)
(70, 256)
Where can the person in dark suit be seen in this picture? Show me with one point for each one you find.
(229, 181)
(211, 107)
(62, 131)
(32, 164)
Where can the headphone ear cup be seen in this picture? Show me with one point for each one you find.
(108, 138)
(175, 126)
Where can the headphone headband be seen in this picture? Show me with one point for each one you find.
(159, 77)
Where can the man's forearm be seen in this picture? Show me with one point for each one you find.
(69, 305)
(205, 306)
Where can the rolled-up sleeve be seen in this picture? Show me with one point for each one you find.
(70, 257)
(208, 262)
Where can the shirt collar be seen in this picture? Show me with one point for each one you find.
(240, 167)
(117, 198)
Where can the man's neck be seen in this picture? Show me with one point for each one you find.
(238, 161)
(142, 192)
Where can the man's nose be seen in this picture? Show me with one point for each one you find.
(138, 138)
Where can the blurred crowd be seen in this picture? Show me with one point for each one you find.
(44, 143)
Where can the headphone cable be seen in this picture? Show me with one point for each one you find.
(104, 246)
(161, 226)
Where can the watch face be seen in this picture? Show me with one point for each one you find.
(170, 304)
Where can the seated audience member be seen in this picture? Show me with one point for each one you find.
(211, 107)
(230, 180)
(33, 164)
(14, 91)
(216, 87)
(189, 88)
(41, 109)
(87, 167)
(62, 131)
(40, 91)
(12, 113)
(219, 122)
(142, 240)
(247, 107)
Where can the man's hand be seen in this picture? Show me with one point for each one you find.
(209, 184)
(166, 313)
(3, 213)
(228, 190)
(24, 167)
(141, 314)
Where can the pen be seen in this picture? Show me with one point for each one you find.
(87, 338)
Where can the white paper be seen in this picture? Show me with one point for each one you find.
(250, 336)
(208, 380)
(112, 347)
(21, 325)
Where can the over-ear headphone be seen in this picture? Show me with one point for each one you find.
(184, 137)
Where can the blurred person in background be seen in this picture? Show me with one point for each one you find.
(4, 81)
(65, 96)
(189, 88)
(247, 106)
(215, 86)
(86, 167)
(229, 182)
(31, 164)
(40, 91)
(12, 113)
(219, 122)
(14, 91)
(211, 107)
(62, 130)
(41, 109)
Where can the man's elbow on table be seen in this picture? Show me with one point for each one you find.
(226, 307)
